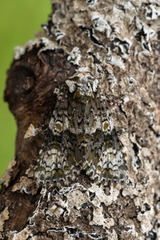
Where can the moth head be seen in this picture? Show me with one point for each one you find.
(83, 88)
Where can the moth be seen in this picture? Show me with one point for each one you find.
(81, 136)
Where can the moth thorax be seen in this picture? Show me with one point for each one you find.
(83, 89)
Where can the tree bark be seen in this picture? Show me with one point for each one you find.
(86, 97)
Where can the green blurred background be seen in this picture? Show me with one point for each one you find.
(19, 20)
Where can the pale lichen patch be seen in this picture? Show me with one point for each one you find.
(109, 222)
(22, 235)
(31, 132)
(113, 194)
(39, 238)
(68, 237)
(3, 217)
(76, 198)
(5, 179)
(74, 56)
(98, 218)
(20, 50)
(25, 185)
(55, 211)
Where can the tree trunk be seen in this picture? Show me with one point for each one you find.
(85, 94)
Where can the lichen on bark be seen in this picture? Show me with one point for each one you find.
(108, 49)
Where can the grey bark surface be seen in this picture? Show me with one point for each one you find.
(103, 54)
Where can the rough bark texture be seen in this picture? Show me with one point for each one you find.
(112, 48)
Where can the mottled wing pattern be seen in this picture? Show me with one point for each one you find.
(81, 137)
(106, 161)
